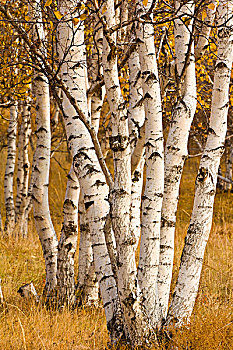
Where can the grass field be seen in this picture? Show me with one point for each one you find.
(24, 325)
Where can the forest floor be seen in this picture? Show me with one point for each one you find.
(24, 325)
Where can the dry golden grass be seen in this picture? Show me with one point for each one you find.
(27, 326)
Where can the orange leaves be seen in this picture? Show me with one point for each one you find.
(48, 3)
(83, 16)
(211, 6)
(75, 21)
(58, 14)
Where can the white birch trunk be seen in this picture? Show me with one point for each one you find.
(68, 242)
(1, 294)
(86, 165)
(153, 194)
(95, 71)
(198, 232)
(10, 167)
(134, 322)
(87, 282)
(23, 176)
(136, 115)
(42, 217)
(55, 119)
(203, 39)
(229, 161)
(176, 149)
(20, 174)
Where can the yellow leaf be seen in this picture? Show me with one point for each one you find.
(75, 21)
(186, 20)
(48, 3)
(58, 14)
(204, 15)
(27, 18)
(211, 6)
(83, 17)
(145, 2)
(104, 9)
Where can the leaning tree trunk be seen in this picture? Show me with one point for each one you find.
(199, 228)
(176, 147)
(85, 162)
(9, 173)
(42, 217)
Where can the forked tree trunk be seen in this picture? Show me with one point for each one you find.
(134, 319)
(176, 147)
(199, 228)
(86, 165)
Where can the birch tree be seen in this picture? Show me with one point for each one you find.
(200, 224)
(10, 167)
(86, 164)
(42, 217)
(135, 299)
(176, 145)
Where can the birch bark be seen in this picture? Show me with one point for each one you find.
(42, 217)
(95, 71)
(1, 294)
(176, 146)
(229, 161)
(87, 283)
(136, 116)
(203, 39)
(20, 174)
(9, 173)
(136, 328)
(198, 232)
(22, 189)
(68, 242)
(86, 164)
(153, 194)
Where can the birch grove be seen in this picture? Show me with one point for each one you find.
(110, 68)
